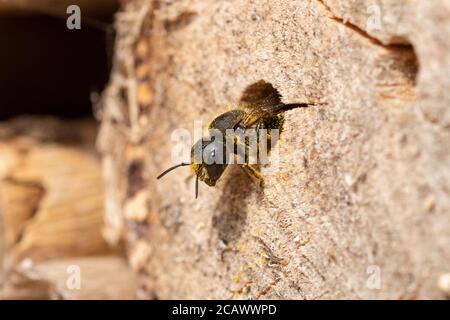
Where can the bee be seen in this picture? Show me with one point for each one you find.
(259, 107)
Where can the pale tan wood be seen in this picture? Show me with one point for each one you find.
(101, 277)
(67, 218)
(20, 202)
(51, 208)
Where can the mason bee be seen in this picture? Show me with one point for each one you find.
(259, 107)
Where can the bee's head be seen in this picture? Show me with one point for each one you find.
(208, 159)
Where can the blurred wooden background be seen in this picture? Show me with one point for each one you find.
(51, 188)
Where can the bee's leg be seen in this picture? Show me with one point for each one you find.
(253, 173)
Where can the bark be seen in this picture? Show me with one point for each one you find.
(363, 187)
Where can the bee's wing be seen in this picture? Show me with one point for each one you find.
(259, 95)
(262, 100)
(257, 99)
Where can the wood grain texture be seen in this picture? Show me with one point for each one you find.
(51, 208)
(363, 182)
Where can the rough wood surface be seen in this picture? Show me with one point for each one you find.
(364, 180)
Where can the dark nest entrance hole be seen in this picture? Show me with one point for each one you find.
(48, 69)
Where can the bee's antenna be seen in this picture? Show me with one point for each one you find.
(171, 168)
(196, 187)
